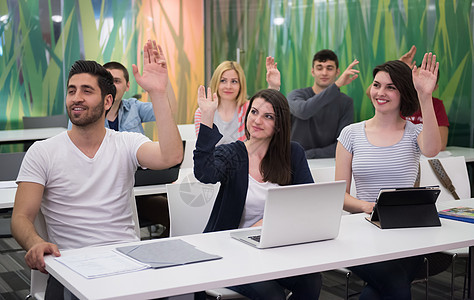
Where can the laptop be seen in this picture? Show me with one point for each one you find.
(297, 214)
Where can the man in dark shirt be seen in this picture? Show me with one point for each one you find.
(320, 112)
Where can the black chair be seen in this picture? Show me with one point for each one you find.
(10, 163)
(44, 122)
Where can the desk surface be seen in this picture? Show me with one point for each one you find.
(243, 264)
(23, 135)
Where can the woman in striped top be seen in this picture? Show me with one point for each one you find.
(228, 81)
(384, 151)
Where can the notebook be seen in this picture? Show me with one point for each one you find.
(297, 214)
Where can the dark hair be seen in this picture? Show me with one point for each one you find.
(401, 76)
(325, 55)
(276, 164)
(105, 80)
(113, 65)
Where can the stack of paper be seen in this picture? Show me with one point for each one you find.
(101, 263)
(160, 254)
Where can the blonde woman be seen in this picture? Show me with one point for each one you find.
(228, 82)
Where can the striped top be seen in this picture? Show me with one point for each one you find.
(375, 167)
(230, 134)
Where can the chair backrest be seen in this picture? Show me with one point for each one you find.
(187, 131)
(190, 205)
(45, 122)
(10, 163)
(189, 146)
(326, 174)
(456, 169)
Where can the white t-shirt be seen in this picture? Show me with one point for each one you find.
(255, 202)
(86, 201)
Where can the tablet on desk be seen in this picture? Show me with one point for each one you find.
(406, 207)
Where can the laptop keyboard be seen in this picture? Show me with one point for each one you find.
(255, 238)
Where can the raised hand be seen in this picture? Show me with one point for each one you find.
(409, 56)
(273, 75)
(155, 71)
(208, 105)
(424, 77)
(348, 75)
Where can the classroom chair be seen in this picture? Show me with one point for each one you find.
(190, 205)
(10, 163)
(456, 169)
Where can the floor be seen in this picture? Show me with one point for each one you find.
(15, 278)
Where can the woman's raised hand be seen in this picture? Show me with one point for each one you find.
(273, 75)
(424, 77)
(207, 104)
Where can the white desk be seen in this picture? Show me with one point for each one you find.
(7, 197)
(25, 135)
(468, 153)
(359, 242)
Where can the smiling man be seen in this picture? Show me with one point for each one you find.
(82, 179)
(320, 112)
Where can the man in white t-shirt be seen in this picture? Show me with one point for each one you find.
(82, 179)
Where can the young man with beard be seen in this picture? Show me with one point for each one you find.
(321, 111)
(82, 179)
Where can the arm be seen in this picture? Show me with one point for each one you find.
(330, 150)
(348, 75)
(409, 56)
(424, 80)
(303, 106)
(444, 132)
(27, 203)
(344, 172)
(273, 75)
(169, 150)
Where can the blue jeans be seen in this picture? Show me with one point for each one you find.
(302, 287)
(389, 280)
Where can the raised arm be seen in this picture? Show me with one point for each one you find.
(273, 75)
(344, 172)
(424, 80)
(409, 56)
(304, 106)
(168, 151)
(349, 75)
(27, 203)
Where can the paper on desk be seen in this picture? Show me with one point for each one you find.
(8, 184)
(100, 264)
(167, 253)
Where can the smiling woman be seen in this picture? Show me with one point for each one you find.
(384, 151)
(246, 170)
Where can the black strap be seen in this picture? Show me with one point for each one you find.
(443, 176)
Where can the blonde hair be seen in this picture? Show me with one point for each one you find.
(216, 78)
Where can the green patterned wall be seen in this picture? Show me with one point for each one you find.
(41, 39)
(373, 31)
